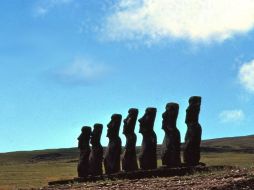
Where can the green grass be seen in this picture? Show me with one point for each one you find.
(228, 158)
(244, 142)
(28, 175)
(20, 170)
(34, 175)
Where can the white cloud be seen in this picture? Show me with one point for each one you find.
(82, 71)
(246, 76)
(45, 6)
(41, 10)
(195, 20)
(231, 116)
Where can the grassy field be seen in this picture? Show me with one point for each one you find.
(36, 168)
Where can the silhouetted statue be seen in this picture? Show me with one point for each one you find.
(84, 148)
(129, 161)
(96, 155)
(148, 157)
(113, 151)
(193, 134)
(172, 141)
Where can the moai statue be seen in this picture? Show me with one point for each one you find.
(113, 151)
(172, 141)
(193, 135)
(148, 157)
(84, 148)
(129, 160)
(96, 155)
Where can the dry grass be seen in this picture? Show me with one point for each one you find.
(17, 170)
(28, 175)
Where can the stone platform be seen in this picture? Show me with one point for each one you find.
(139, 174)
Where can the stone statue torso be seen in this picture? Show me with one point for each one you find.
(171, 148)
(148, 156)
(95, 160)
(129, 161)
(112, 156)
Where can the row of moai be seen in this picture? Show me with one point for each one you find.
(91, 159)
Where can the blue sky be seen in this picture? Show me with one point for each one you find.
(69, 63)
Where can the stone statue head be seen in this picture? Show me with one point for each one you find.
(96, 134)
(84, 138)
(86, 132)
(130, 121)
(147, 121)
(192, 112)
(170, 115)
(114, 126)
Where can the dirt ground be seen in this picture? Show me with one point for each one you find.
(215, 180)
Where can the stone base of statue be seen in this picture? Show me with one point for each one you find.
(140, 174)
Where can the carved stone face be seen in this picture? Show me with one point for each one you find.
(110, 126)
(96, 134)
(114, 125)
(130, 121)
(192, 112)
(94, 139)
(86, 132)
(147, 121)
(173, 110)
(165, 119)
(84, 138)
(170, 115)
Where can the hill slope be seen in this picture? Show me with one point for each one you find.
(229, 144)
(29, 169)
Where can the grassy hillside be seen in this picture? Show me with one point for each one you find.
(245, 143)
(36, 168)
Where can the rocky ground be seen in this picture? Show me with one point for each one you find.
(215, 180)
